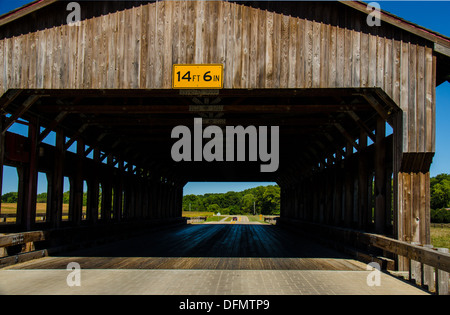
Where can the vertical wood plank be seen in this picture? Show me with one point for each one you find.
(222, 33)
(168, 43)
(151, 50)
(253, 37)
(332, 65)
(420, 103)
(269, 49)
(284, 52)
(237, 31)
(356, 58)
(396, 71)
(388, 66)
(429, 99)
(261, 76)
(2, 67)
(316, 66)
(309, 54)
(200, 21)
(245, 53)
(404, 81)
(412, 98)
(276, 49)
(159, 49)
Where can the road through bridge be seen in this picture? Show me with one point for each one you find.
(205, 259)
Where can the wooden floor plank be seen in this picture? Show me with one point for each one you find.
(218, 246)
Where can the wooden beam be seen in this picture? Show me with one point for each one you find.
(22, 109)
(8, 98)
(75, 137)
(24, 10)
(363, 126)
(401, 23)
(376, 105)
(185, 109)
(444, 50)
(52, 126)
(347, 136)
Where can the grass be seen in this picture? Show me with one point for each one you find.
(193, 214)
(41, 208)
(440, 236)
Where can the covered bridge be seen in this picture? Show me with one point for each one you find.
(334, 85)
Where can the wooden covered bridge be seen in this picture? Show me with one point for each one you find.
(355, 105)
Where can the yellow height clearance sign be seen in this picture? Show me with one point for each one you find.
(201, 76)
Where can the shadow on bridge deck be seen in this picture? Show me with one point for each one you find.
(204, 246)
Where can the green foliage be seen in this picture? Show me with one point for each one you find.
(440, 198)
(10, 197)
(440, 191)
(440, 216)
(262, 199)
(41, 198)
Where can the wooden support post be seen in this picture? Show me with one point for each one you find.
(2, 155)
(338, 188)
(32, 176)
(380, 177)
(77, 187)
(56, 202)
(93, 190)
(118, 188)
(442, 278)
(363, 184)
(428, 274)
(415, 272)
(348, 188)
(126, 197)
(107, 194)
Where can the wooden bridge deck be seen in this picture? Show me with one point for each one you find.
(218, 246)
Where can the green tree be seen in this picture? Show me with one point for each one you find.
(271, 200)
(440, 191)
(10, 197)
(248, 202)
(213, 208)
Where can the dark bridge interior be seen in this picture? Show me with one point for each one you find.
(316, 125)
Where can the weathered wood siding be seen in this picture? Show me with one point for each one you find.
(136, 48)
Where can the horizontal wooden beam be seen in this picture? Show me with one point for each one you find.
(186, 109)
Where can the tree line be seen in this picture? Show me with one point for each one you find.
(440, 198)
(258, 200)
(266, 200)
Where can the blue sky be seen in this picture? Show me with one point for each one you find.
(433, 15)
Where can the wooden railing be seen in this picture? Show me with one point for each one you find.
(40, 217)
(20, 247)
(429, 267)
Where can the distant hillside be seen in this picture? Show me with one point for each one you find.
(261, 199)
